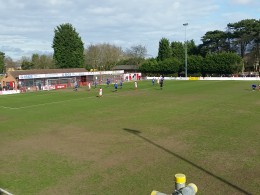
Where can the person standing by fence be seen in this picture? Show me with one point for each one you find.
(100, 94)
(121, 84)
(89, 86)
(136, 85)
(108, 82)
(75, 86)
(161, 82)
(95, 83)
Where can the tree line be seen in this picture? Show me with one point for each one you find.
(171, 62)
(222, 52)
(233, 51)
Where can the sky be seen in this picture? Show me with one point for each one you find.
(27, 26)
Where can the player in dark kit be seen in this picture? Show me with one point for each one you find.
(161, 82)
(253, 87)
(116, 86)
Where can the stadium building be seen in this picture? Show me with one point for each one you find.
(48, 79)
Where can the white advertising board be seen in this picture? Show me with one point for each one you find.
(73, 74)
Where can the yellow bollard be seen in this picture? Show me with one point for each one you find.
(180, 180)
(180, 187)
(157, 193)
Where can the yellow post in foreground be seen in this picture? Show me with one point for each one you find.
(180, 181)
(180, 187)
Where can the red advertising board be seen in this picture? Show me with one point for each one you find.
(60, 86)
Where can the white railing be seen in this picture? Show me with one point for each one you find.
(210, 78)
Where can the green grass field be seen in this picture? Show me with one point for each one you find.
(132, 141)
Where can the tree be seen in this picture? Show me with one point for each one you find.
(46, 61)
(177, 50)
(26, 64)
(256, 45)
(42, 61)
(35, 60)
(192, 49)
(169, 66)
(102, 56)
(164, 51)
(246, 38)
(137, 51)
(68, 47)
(195, 65)
(9, 63)
(214, 42)
(150, 66)
(2, 62)
(243, 34)
(93, 57)
(136, 54)
(222, 63)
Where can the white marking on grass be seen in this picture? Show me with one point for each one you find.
(5, 192)
(43, 104)
(6, 107)
(57, 102)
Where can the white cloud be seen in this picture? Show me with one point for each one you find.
(29, 25)
(243, 2)
(247, 3)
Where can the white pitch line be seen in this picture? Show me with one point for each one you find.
(5, 192)
(36, 105)
(56, 102)
(6, 107)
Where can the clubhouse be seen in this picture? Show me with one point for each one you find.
(49, 79)
(46, 79)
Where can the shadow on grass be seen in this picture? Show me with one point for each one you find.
(138, 134)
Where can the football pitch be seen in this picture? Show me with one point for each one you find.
(132, 141)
